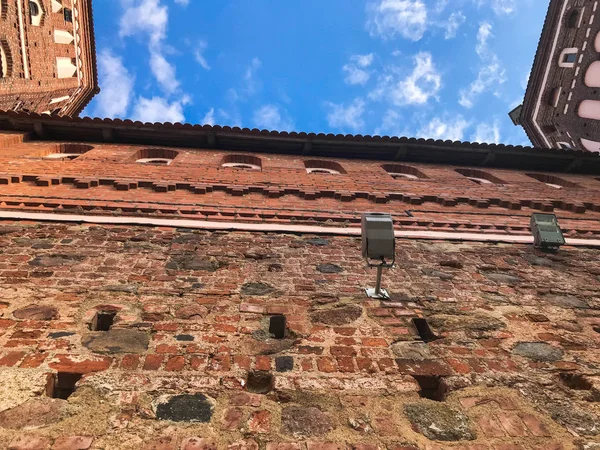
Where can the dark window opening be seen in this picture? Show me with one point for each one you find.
(425, 332)
(103, 321)
(573, 19)
(62, 384)
(575, 381)
(68, 15)
(596, 328)
(259, 382)
(157, 161)
(570, 57)
(432, 387)
(277, 325)
(34, 10)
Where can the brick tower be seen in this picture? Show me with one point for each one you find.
(47, 54)
(561, 107)
(196, 287)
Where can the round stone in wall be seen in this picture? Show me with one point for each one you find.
(329, 268)
(538, 351)
(439, 422)
(36, 312)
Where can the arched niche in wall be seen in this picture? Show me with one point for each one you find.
(479, 176)
(66, 151)
(402, 171)
(592, 146)
(63, 37)
(592, 75)
(36, 12)
(158, 156)
(552, 180)
(6, 59)
(323, 166)
(247, 162)
(589, 109)
(65, 67)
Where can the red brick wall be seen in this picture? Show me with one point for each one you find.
(345, 376)
(107, 178)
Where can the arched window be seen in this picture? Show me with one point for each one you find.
(66, 151)
(401, 171)
(36, 13)
(554, 96)
(552, 181)
(324, 167)
(479, 176)
(246, 162)
(157, 156)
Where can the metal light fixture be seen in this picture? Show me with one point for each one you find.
(378, 247)
(546, 232)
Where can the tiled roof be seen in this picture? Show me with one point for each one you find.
(306, 144)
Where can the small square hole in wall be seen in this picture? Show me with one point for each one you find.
(103, 321)
(425, 332)
(277, 325)
(432, 387)
(62, 384)
(259, 382)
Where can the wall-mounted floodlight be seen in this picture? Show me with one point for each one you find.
(546, 232)
(378, 247)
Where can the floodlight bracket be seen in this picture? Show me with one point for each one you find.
(378, 292)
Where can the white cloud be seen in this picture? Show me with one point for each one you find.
(355, 72)
(488, 133)
(163, 71)
(117, 86)
(346, 116)
(271, 118)
(499, 7)
(209, 118)
(453, 23)
(415, 89)
(391, 18)
(391, 125)
(198, 55)
(182, 2)
(446, 127)
(491, 72)
(158, 109)
(144, 17)
(250, 75)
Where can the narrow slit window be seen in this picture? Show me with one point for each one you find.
(277, 325)
(424, 330)
(103, 321)
(62, 384)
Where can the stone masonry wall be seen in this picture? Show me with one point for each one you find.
(506, 357)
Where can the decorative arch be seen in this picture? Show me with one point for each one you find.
(552, 180)
(592, 146)
(63, 37)
(65, 67)
(573, 18)
(589, 109)
(479, 176)
(322, 166)
(66, 151)
(248, 162)
(158, 156)
(592, 75)
(399, 171)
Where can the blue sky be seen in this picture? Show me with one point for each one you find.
(443, 69)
